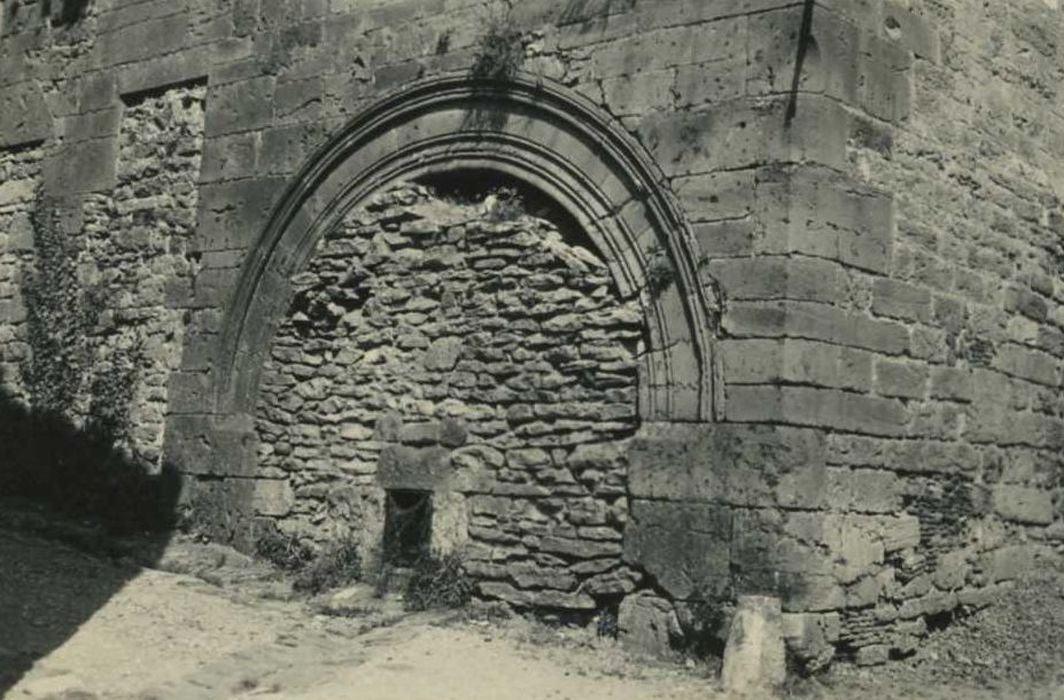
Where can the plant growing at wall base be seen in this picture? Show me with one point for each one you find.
(339, 564)
(606, 623)
(53, 450)
(707, 623)
(283, 550)
(438, 582)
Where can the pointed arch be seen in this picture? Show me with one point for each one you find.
(543, 134)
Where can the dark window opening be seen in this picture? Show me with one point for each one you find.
(407, 526)
(64, 11)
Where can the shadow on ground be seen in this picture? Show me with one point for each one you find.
(106, 504)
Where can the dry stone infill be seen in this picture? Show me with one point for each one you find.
(19, 176)
(431, 345)
(133, 268)
(138, 243)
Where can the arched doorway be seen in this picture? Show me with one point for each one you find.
(596, 177)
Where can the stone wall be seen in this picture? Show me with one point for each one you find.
(137, 247)
(903, 308)
(874, 211)
(131, 274)
(466, 350)
(19, 177)
(976, 171)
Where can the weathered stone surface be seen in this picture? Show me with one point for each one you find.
(685, 546)
(24, 115)
(794, 360)
(900, 300)
(504, 389)
(886, 312)
(406, 467)
(443, 353)
(779, 277)
(811, 638)
(536, 599)
(273, 497)
(872, 655)
(754, 657)
(224, 506)
(647, 623)
(815, 407)
(816, 213)
(232, 213)
(1023, 504)
(725, 463)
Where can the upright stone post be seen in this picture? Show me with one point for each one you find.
(754, 658)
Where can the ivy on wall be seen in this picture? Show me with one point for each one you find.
(60, 314)
(66, 448)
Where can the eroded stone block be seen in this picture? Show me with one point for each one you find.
(754, 657)
(647, 623)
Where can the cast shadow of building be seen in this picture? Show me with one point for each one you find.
(107, 504)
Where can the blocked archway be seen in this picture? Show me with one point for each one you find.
(543, 134)
(457, 373)
(546, 136)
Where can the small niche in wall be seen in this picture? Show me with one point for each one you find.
(407, 526)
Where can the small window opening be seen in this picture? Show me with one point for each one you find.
(407, 526)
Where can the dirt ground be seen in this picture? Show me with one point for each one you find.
(81, 626)
(165, 635)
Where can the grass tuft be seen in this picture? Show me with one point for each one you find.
(339, 564)
(438, 582)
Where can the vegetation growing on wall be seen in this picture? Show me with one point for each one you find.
(56, 451)
(660, 272)
(500, 51)
(65, 11)
(506, 204)
(111, 396)
(60, 315)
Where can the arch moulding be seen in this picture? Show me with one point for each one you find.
(542, 134)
